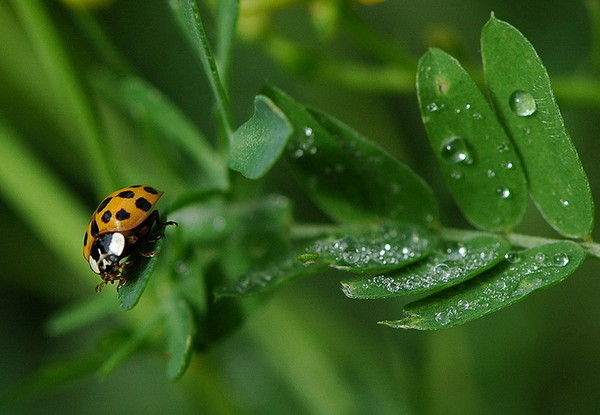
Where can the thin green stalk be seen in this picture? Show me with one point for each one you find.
(67, 88)
(188, 17)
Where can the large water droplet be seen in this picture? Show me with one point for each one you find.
(560, 259)
(522, 103)
(503, 192)
(456, 150)
(442, 318)
(512, 257)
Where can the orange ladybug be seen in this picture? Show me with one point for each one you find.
(118, 227)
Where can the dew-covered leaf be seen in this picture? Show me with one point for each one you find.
(518, 276)
(520, 90)
(451, 263)
(263, 278)
(348, 176)
(375, 250)
(259, 142)
(180, 334)
(479, 163)
(138, 274)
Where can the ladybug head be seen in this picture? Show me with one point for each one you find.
(106, 253)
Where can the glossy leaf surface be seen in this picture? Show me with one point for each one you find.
(520, 89)
(259, 142)
(477, 159)
(349, 177)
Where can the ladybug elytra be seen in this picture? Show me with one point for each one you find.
(118, 227)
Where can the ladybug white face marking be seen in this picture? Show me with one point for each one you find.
(106, 252)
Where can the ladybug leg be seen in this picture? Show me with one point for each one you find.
(100, 286)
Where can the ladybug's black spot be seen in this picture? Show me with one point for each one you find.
(136, 185)
(126, 194)
(103, 204)
(85, 239)
(106, 216)
(122, 214)
(151, 190)
(143, 204)
(94, 228)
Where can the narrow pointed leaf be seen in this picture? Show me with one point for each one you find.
(263, 278)
(180, 335)
(509, 282)
(451, 264)
(480, 165)
(520, 89)
(138, 275)
(259, 142)
(348, 176)
(383, 249)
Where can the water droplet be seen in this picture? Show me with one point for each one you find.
(441, 271)
(540, 257)
(468, 106)
(442, 318)
(503, 147)
(456, 174)
(503, 192)
(308, 131)
(455, 251)
(560, 259)
(522, 103)
(564, 202)
(507, 165)
(456, 150)
(433, 107)
(477, 116)
(491, 173)
(512, 257)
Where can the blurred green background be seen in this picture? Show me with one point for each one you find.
(308, 349)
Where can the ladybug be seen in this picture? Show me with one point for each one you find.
(118, 227)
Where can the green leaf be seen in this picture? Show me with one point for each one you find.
(348, 176)
(138, 275)
(509, 282)
(259, 142)
(480, 165)
(260, 279)
(180, 335)
(520, 89)
(376, 250)
(450, 264)
(227, 18)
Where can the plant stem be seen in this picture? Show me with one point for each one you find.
(188, 17)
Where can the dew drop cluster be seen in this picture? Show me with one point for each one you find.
(389, 247)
